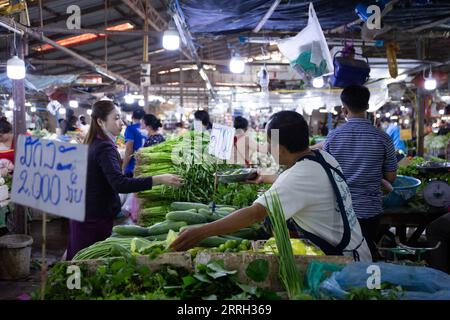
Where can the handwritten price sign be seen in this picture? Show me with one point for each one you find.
(50, 176)
(221, 141)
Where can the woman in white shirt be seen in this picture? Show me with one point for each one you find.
(315, 198)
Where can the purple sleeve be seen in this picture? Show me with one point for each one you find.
(107, 159)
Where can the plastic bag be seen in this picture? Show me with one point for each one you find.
(308, 51)
(418, 283)
(317, 272)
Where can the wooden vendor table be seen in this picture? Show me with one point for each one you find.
(407, 217)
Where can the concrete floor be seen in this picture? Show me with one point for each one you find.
(57, 232)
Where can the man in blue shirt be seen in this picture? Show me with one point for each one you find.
(393, 130)
(133, 142)
(366, 155)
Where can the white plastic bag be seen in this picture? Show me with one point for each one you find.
(308, 51)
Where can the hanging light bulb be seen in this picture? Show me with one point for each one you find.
(387, 114)
(171, 39)
(33, 109)
(141, 103)
(237, 64)
(73, 104)
(318, 82)
(430, 83)
(129, 99)
(441, 112)
(89, 112)
(15, 68)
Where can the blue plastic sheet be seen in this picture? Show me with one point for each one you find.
(418, 283)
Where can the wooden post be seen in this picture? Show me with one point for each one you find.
(19, 127)
(145, 57)
(420, 121)
(43, 260)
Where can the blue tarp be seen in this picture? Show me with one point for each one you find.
(221, 16)
(418, 283)
(39, 83)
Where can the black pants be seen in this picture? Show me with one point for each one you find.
(439, 230)
(129, 174)
(369, 228)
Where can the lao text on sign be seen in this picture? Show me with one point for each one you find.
(221, 141)
(50, 176)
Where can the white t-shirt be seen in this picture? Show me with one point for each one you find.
(307, 196)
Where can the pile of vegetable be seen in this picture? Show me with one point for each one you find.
(412, 170)
(126, 279)
(184, 215)
(435, 143)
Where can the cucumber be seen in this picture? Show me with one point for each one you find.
(246, 233)
(230, 237)
(159, 237)
(130, 230)
(165, 226)
(186, 216)
(180, 206)
(212, 242)
(191, 226)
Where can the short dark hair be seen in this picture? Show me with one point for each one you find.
(203, 116)
(356, 98)
(240, 123)
(152, 121)
(138, 114)
(293, 130)
(5, 126)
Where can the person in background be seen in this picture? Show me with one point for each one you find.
(82, 125)
(244, 144)
(315, 199)
(323, 129)
(203, 117)
(6, 140)
(62, 124)
(366, 155)
(133, 142)
(151, 124)
(38, 123)
(72, 124)
(393, 130)
(105, 180)
(439, 231)
(180, 129)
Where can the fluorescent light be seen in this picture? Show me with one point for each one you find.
(62, 111)
(129, 99)
(28, 104)
(208, 85)
(141, 103)
(237, 64)
(441, 112)
(318, 82)
(394, 118)
(33, 109)
(11, 103)
(73, 104)
(203, 74)
(430, 84)
(387, 114)
(15, 68)
(171, 39)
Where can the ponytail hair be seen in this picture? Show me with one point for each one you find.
(100, 110)
(152, 121)
(5, 126)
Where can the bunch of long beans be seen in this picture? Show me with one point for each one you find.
(102, 249)
(289, 273)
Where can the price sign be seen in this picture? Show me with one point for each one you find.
(221, 141)
(50, 176)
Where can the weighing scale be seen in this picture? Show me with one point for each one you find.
(437, 192)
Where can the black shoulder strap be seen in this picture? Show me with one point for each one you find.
(346, 236)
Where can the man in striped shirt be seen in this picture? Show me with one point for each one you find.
(366, 155)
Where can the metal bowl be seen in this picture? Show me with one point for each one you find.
(434, 167)
(236, 175)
